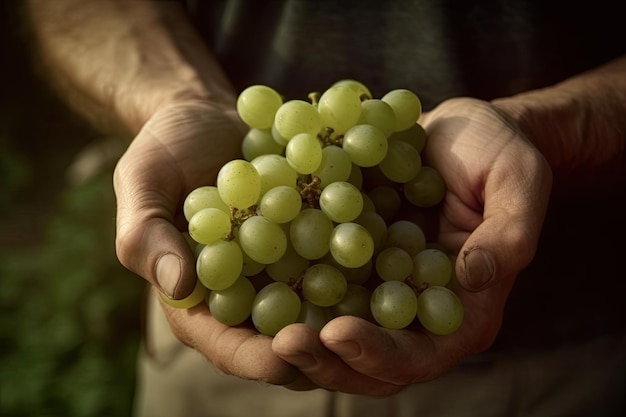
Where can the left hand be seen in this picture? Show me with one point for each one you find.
(498, 187)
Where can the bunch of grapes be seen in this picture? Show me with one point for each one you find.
(307, 226)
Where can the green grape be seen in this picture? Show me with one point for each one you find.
(274, 171)
(394, 264)
(356, 176)
(263, 240)
(209, 225)
(415, 136)
(406, 235)
(203, 197)
(432, 267)
(406, 106)
(365, 144)
(356, 302)
(310, 233)
(393, 304)
(402, 162)
(259, 142)
(376, 225)
(341, 201)
(357, 86)
(313, 316)
(351, 245)
(427, 189)
(232, 306)
(278, 138)
(358, 275)
(219, 264)
(280, 204)
(275, 306)
(192, 300)
(439, 310)
(257, 106)
(378, 113)
(239, 184)
(323, 285)
(339, 108)
(368, 204)
(336, 165)
(250, 266)
(289, 267)
(386, 200)
(297, 116)
(304, 153)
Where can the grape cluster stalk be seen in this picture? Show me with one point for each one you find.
(307, 225)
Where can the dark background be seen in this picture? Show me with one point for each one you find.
(69, 313)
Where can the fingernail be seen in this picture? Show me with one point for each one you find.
(345, 349)
(479, 268)
(168, 269)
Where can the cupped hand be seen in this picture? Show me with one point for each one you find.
(180, 148)
(498, 187)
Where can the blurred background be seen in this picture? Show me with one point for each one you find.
(70, 314)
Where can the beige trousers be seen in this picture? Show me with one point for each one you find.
(577, 380)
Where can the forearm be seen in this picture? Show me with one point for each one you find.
(580, 127)
(116, 62)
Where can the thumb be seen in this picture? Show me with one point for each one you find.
(505, 241)
(147, 241)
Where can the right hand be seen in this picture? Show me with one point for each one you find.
(181, 147)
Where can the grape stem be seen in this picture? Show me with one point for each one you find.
(310, 191)
(237, 217)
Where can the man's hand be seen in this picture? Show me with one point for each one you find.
(498, 191)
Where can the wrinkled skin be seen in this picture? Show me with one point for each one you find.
(498, 190)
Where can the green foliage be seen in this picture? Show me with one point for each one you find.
(69, 314)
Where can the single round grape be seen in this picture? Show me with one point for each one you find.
(275, 306)
(394, 264)
(406, 105)
(341, 201)
(259, 142)
(376, 225)
(356, 302)
(323, 285)
(310, 233)
(357, 86)
(203, 197)
(263, 240)
(280, 204)
(336, 165)
(304, 153)
(257, 106)
(365, 144)
(415, 136)
(402, 162)
(297, 116)
(351, 245)
(432, 267)
(313, 315)
(427, 189)
(356, 176)
(209, 225)
(274, 171)
(289, 267)
(239, 184)
(393, 304)
(219, 264)
(380, 114)
(406, 235)
(439, 310)
(192, 300)
(387, 201)
(339, 108)
(232, 306)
